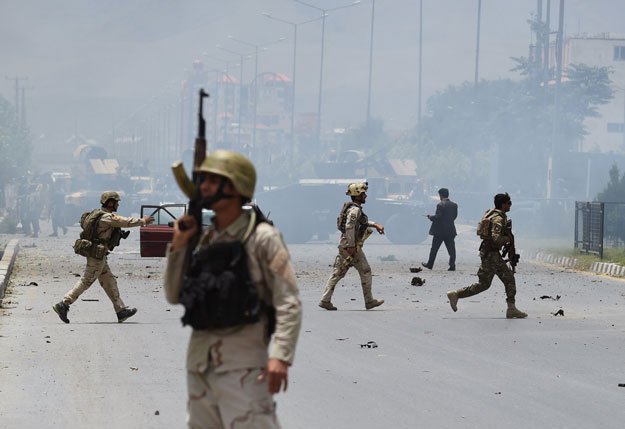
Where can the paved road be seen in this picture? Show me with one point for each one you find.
(432, 367)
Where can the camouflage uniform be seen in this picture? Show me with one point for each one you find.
(98, 269)
(492, 262)
(353, 236)
(224, 365)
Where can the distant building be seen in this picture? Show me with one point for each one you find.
(606, 133)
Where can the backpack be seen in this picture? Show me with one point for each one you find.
(342, 217)
(217, 290)
(484, 226)
(88, 244)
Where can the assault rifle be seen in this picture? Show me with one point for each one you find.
(509, 249)
(191, 187)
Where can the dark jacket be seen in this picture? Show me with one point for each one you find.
(443, 220)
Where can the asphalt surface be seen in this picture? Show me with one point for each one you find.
(431, 367)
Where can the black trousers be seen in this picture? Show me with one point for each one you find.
(450, 244)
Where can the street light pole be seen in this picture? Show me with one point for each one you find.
(477, 42)
(292, 125)
(255, 108)
(324, 14)
(370, 63)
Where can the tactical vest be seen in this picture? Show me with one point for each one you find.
(363, 221)
(217, 290)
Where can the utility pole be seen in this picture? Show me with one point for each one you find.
(17, 96)
(477, 42)
(555, 131)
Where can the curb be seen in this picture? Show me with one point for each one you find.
(6, 264)
(610, 269)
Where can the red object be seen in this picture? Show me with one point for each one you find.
(153, 239)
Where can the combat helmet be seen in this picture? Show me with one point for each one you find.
(109, 195)
(235, 167)
(355, 189)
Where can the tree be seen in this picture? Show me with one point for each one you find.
(614, 192)
(14, 145)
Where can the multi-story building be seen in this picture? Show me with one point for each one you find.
(606, 133)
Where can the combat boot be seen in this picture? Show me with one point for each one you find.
(373, 303)
(452, 295)
(61, 309)
(514, 313)
(327, 305)
(125, 314)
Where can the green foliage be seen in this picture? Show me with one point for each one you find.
(8, 225)
(14, 144)
(467, 131)
(615, 189)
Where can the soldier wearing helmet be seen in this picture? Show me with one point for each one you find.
(102, 227)
(233, 369)
(354, 226)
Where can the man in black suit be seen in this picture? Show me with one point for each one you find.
(443, 229)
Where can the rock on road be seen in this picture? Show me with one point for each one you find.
(432, 367)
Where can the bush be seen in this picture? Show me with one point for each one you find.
(8, 225)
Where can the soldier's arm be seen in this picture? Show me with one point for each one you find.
(174, 273)
(117, 221)
(353, 213)
(280, 279)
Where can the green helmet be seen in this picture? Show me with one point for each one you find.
(109, 195)
(355, 189)
(233, 166)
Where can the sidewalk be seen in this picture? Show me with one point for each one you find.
(9, 254)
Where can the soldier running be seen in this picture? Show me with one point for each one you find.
(495, 231)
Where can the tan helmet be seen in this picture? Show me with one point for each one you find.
(235, 167)
(109, 195)
(355, 189)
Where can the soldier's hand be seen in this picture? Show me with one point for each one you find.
(351, 251)
(183, 235)
(148, 219)
(379, 228)
(277, 375)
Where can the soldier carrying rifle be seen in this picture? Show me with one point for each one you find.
(355, 229)
(495, 230)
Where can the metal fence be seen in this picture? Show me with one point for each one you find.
(599, 226)
(589, 222)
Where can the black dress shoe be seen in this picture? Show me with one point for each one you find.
(426, 265)
(451, 269)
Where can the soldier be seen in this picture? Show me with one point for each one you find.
(355, 229)
(102, 227)
(57, 209)
(234, 367)
(495, 231)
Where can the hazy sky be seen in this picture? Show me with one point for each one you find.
(91, 63)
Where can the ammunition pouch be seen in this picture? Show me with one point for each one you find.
(82, 247)
(217, 290)
(90, 249)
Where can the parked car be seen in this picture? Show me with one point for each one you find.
(153, 238)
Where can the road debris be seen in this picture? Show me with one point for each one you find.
(369, 345)
(560, 312)
(417, 281)
(550, 297)
(415, 269)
